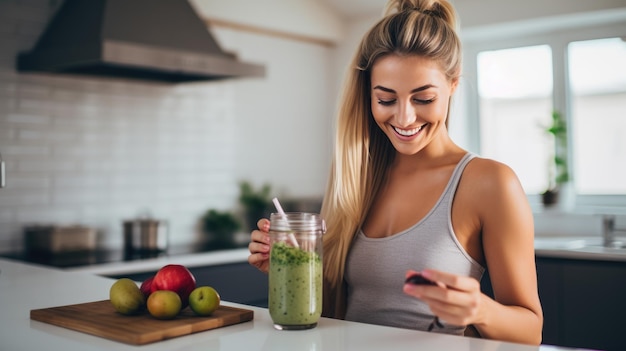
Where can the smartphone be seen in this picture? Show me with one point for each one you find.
(418, 279)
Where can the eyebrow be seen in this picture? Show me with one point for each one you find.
(416, 90)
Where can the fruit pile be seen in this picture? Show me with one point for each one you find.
(164, 295)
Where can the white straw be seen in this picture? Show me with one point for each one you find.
(279, 208)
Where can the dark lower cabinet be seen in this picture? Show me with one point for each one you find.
(584, 303)
(236, 282)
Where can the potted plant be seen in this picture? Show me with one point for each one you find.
(557, 169)
(256, 202)
(221, 227)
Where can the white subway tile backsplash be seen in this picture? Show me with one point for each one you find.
(33, 91)
(7, 217)
(30, 182)
(99, 151)
(25, 150)
(7, 135)
(25, 118)
(35, 104)
(7, 88)
(30, 134)
(49, 166)
(23, 199)
(81, 181)
(40, 215)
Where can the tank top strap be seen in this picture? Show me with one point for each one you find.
(453, 183)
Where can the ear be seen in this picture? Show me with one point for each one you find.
(453, 85)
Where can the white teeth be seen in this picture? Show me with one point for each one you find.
(408, 132)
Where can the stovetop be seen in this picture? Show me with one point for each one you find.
(94, 257)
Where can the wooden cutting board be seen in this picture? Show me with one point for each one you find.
(100, 318)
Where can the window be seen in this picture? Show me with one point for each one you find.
(597, 72)
(515, 90)
(520, 78)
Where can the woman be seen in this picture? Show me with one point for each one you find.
(403, 197)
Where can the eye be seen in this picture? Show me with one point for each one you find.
(386, 102)
(424, 102)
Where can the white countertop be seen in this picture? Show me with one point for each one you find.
(24, 287)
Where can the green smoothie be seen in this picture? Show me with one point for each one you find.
(295, 287)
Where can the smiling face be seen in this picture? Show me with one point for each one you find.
(410, 98)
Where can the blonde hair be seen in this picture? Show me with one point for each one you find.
(362, 152)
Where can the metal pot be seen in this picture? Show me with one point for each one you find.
(56, 239)
(145, 235)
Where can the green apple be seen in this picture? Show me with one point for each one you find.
(204, 300)
(126, 297)
(164, 304)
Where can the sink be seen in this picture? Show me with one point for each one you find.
(566, 243)
(593, 245)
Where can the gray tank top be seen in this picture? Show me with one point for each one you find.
(375, 267)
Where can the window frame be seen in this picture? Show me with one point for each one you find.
(558, 38)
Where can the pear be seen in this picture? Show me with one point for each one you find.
(126, 297)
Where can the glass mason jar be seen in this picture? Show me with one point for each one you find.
(295, 273)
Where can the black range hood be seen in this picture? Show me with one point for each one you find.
(157, 40)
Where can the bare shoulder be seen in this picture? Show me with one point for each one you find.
(485, 170)
(491, 182)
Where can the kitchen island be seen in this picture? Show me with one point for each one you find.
(24, 287)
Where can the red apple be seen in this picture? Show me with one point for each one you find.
(176, 278)
(146, 287)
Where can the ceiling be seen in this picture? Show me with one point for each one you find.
(357, 8)
(482, 12)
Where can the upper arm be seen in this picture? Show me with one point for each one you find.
(507, 236)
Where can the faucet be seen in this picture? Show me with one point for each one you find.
(608, 232)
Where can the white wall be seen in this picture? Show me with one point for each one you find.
(283, 123)
(97, 151)
(477, 13)
(309, 18)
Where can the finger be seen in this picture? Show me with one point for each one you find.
(454, 306)
(451, 281)
(457, 315)
(409, 273)
(258, 258)
(259, 261)
(452, 298)
(263, 224)
(259, 236)
(423, 291)
(439, 294)
(256, 247)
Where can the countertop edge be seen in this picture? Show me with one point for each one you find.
(211, 258)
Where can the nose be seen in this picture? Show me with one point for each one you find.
(405, 115)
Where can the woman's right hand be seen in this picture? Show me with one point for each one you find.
(260, 246)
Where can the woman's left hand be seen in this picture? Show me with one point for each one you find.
(456, 300)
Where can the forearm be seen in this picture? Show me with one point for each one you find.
(509, 323)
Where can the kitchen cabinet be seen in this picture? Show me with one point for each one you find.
(236, 282)
(584, 302)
